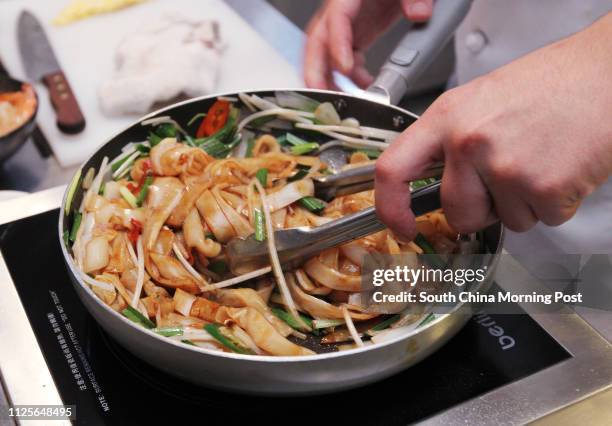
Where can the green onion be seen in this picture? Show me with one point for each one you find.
(142, 195)
(300, 174)
(135, 316)
(71, 190)
(416, 184)
(429, 318)
(215, 147)
(188, 342)
(258, 122)
(66, 238)
(195, 117)
(371, 153)
(291, 321)
(326, 323)
(169, 331)
(166, 130)
(153, 139)
(129, 197)
(143, 148)
(115, 166)
(102, 188)
(250, 146)
(433, 259)
(217, 332)
(75, 226)
(260, 227)
(219, 267)
(304, 148)
(313, 204)
(210, 236)
(262, 176)
(282, 140)
(295, 140)
(386, 323)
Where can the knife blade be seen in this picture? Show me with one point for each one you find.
(40, 63)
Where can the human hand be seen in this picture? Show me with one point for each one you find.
(342, 29)
(525, 143)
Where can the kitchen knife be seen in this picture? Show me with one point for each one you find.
(40, 63)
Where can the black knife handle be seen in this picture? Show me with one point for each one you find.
(69, 116)
(426, 199)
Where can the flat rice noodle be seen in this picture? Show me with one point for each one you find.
(290, 193)
(163, 244)
(264, 287)
(192, 192)
(129, 277)
(152, 304)
(173, 319)
(265, 144)
(332, 278)
(173, 274)
(241, 225)
(158, 151)
(214, 217)
(310, 286)
(319, 308)
(209, 311)
(164, 195)
(241, 297)
(120, 259)
(170, 158)
(97, 254)
(193, 233)
(264, 334)
(278, 218)
(355, 252)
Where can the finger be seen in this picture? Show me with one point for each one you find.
(407, 159)
(514, 212)
(341, 34)
(360, 75)
(465, 199)
(316, 67)
(417, 10)
(554, 212)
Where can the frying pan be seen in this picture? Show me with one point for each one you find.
(320, 373)
(12, 141)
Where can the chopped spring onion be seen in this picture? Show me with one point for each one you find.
(195, 117)
(66, 238)
(219, 267)
(210, 236)
(326, 323)
(142, 195)
(304, 148)
(429, 318)
(416, 184)
(371, 153)
(300, 174)
(295, 140)
(135, 316)
(102, 188)
(433, 259)
(250, 146)
(166, 130)
(262, 176)
(129, 197)
(312, 204)
(288, 318)
(169, 331)
(262, 121)
(188, 342)
(295, 100)
(71, 190)
(142, 148)
(215, 148)
(153, 139)
(122, 166)
(384, 324)
(260, 229)
(75, 226)
(224, 337)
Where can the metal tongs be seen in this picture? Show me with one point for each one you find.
(296, 244)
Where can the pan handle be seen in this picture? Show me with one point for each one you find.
(417, 50)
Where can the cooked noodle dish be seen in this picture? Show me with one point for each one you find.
(149, 234)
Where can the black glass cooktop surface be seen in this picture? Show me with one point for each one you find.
(108, 385)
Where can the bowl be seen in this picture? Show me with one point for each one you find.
(12, 141)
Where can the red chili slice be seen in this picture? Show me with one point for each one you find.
(215, 119)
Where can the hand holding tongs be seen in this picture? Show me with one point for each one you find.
(296, 244)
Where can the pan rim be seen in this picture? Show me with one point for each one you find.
(228, 355)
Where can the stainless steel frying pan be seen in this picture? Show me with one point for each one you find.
(318, 373)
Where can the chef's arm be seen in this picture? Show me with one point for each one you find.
(341, 30)
(525, 143)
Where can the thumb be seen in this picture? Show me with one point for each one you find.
(417, 10)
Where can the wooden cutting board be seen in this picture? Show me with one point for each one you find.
(86, 50)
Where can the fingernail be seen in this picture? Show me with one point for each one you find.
(419, 8)
(347, 61)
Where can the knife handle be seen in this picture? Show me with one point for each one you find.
(69, 116)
